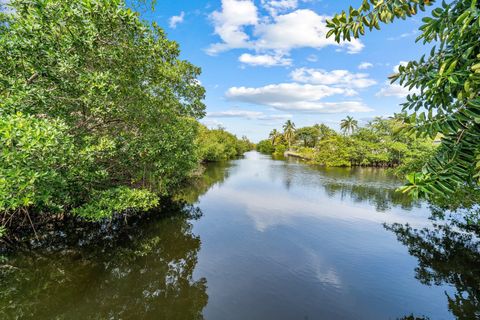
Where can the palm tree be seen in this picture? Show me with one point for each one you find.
(380, 125)
(289, 132)
(349, 125)
(274, 134)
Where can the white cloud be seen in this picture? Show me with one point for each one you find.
(211, 123)
(230, 22)
(276, 117)
(298, 29)
(365, 65)
(235, 114)
(276, 6)
(326, 107)
(264, 60)
(252, 115)
(276, 34)
(284, 92)
(312, 58)
(298, 97)
(338, 78)
(173, 21)
(395, 90)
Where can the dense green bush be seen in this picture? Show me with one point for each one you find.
(118, 199)
(265, 146)
(94, 106)
(335, 151)
(218, 145)
(280, 149)
(381, 143)
(36, 158)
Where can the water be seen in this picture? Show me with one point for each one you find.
(264, 239)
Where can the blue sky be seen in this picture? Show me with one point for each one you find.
(266, 61)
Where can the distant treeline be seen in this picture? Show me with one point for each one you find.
(380, 143)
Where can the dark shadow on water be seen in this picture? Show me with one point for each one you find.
(375, 186)
(213, 174)
(142, 274)
(447, 255)
(382, 199)
(136, 268)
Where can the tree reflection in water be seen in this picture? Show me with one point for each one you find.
(213, 174)
(145, 274)
(374, 186)
(447, 254)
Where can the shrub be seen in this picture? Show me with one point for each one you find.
(34, 163)
(117, 200)
(265, 146)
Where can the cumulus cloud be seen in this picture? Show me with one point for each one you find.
(337, 78)
(235, 114)
(276, 6)
(297, 97)
(284, 92)
(230, 25)
(365, 65)
(175, 20)
(252, 115)
(265, 60)
(326, 107)
(211, 123)
(277, 33)
(298, 29)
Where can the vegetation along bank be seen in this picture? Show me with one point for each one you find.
(98, 114)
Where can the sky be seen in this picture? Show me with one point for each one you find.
(266, 61)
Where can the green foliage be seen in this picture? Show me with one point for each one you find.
(345, 26)
(280, 149)
(116, 200)
(93, 102)
(335, 151)
(308, 135)
(274, 136)
(289, 132)
(265, 146)
(306, 152)
(348, 125)
(447, 83)
(35, 158)
(324, 132)
(413, 156)
(218, 145)
(381, 143)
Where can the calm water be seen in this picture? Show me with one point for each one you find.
(264, 239)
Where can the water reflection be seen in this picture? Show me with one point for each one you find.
(141, 275)
(213, 174)
(370, 185)
(447, 255)
(277, 240)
